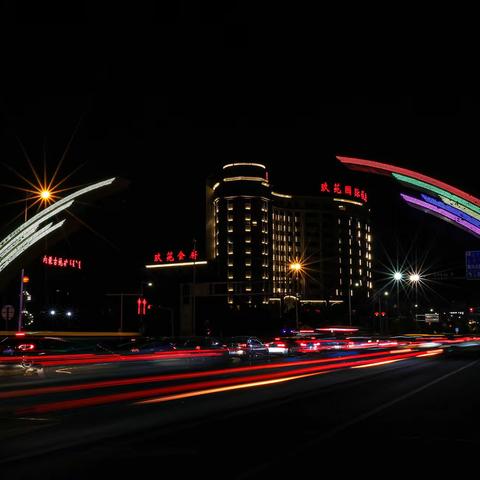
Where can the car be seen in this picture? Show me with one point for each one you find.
(199, 343)
(283, 346)
(146, 345)
(22, 345)
(246, 347)
(469, 348)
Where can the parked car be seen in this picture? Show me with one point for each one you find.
(246, 347)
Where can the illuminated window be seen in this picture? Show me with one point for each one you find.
(230, 218)
(248, 206)
(230, 229)
(248, 239)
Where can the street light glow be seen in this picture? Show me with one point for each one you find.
(296, 266)
(414, 277)
(397, 276)
(45, 194)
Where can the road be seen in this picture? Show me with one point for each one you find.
(418, 415)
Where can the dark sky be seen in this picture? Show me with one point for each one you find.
(162, 96)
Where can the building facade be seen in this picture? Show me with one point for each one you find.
(268, 245)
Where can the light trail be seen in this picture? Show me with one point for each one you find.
(180, 376)
(196, 386)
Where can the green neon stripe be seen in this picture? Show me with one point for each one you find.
(460, 207)
(438, 191)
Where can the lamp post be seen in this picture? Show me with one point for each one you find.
(148, 284)
(415, 278)
(356, 284)
(296, 268)
(398, 276)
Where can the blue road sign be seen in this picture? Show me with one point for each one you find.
(472, 265)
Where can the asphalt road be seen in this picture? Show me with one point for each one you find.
(418, 416)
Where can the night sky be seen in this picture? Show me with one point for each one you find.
(164, 96)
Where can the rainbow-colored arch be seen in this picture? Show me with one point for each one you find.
(440, 199)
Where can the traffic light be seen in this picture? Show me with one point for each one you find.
(26, 279)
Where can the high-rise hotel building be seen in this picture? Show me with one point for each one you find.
(255, 235)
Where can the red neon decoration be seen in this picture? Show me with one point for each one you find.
(169, 256)
(346, 190)
(142, 306)
(61, 262)
(387, 169)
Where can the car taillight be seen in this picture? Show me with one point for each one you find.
(281, 345)
(26, 347)
(242, 345)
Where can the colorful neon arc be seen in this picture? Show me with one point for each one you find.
(386, 169)
(452, 204)
(441, 213)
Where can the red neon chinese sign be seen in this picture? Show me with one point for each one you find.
(171, 257)
(61, 262)
(346, 190)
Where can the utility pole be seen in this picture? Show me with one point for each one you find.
(121, 295)
(22, 274)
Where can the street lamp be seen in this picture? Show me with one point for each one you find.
(356, 284)
(296, 268)
(415, 278)
(398, 276)
(148, 284)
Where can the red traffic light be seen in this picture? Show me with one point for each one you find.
(383, 314)
(377, 314)
(471, 309)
